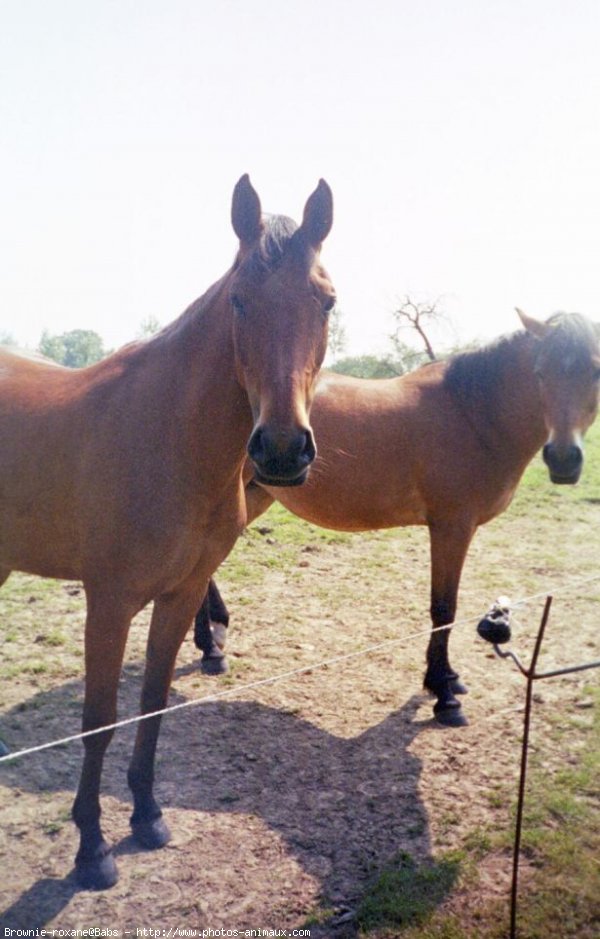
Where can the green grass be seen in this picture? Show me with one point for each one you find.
(560, 867)
(406, 893)
(562, 840)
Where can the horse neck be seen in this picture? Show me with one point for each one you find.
(512, 423)
(195, 385)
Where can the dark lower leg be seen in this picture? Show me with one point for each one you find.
(95, 866)
(441, 679)
(105, 636)
(210, 629)
(86, 808)
(449, 543)
(170, 622)
(202, 632)
(146, 820)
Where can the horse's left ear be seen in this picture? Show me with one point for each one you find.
(537, 328)
(246, 215)
(318, 215)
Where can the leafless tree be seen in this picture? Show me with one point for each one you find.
(419, 317)
(336, 342)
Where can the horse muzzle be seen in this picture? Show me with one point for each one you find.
(281, 459)
(564, 463)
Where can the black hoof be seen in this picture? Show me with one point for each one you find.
(151, 834)
(457, 687)
(213, 665)
(450, 716)
(97, 873)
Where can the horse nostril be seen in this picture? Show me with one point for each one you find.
(309, 451)
(281, 457)
(546, 454)
(256, 448)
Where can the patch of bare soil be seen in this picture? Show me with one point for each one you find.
(286, 798)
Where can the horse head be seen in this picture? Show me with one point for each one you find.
(567, 367)
(280, 297)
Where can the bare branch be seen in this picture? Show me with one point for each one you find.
(418, 317)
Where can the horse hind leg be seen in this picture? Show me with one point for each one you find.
(212, 619)
(104, 648)
(210, 631)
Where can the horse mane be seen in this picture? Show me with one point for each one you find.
(278, 231)
(475, 376)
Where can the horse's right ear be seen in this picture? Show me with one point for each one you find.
(318, 215)
(246, 215)
(537, 328)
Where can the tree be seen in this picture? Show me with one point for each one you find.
(336, 340)
(148, 327)
(422, 318)
(77, 348)
(367, 366)
(6, 339)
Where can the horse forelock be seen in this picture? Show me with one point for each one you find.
(275, 241)
(571, 345)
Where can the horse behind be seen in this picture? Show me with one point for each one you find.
(127, 475)
(444, 446)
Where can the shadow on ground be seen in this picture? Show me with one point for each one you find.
(343, 807)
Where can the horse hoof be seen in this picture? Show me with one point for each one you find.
(213, 665)
(450, 716)
(151, 834)
(457, 687)
(97, 873)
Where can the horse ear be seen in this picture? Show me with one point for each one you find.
(318, 215)
(537, 328)
(246, 215)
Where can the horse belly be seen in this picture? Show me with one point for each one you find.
(356, 509)
(36, 540)
(38, 514)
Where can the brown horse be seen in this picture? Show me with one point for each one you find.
(444, 446)
(127, 475)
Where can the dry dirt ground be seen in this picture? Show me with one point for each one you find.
(285, 798)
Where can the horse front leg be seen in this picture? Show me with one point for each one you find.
(105, 636)
(210, 631)
(171, 620)
(449, 545)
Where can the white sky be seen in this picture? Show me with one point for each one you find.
(461, 141)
